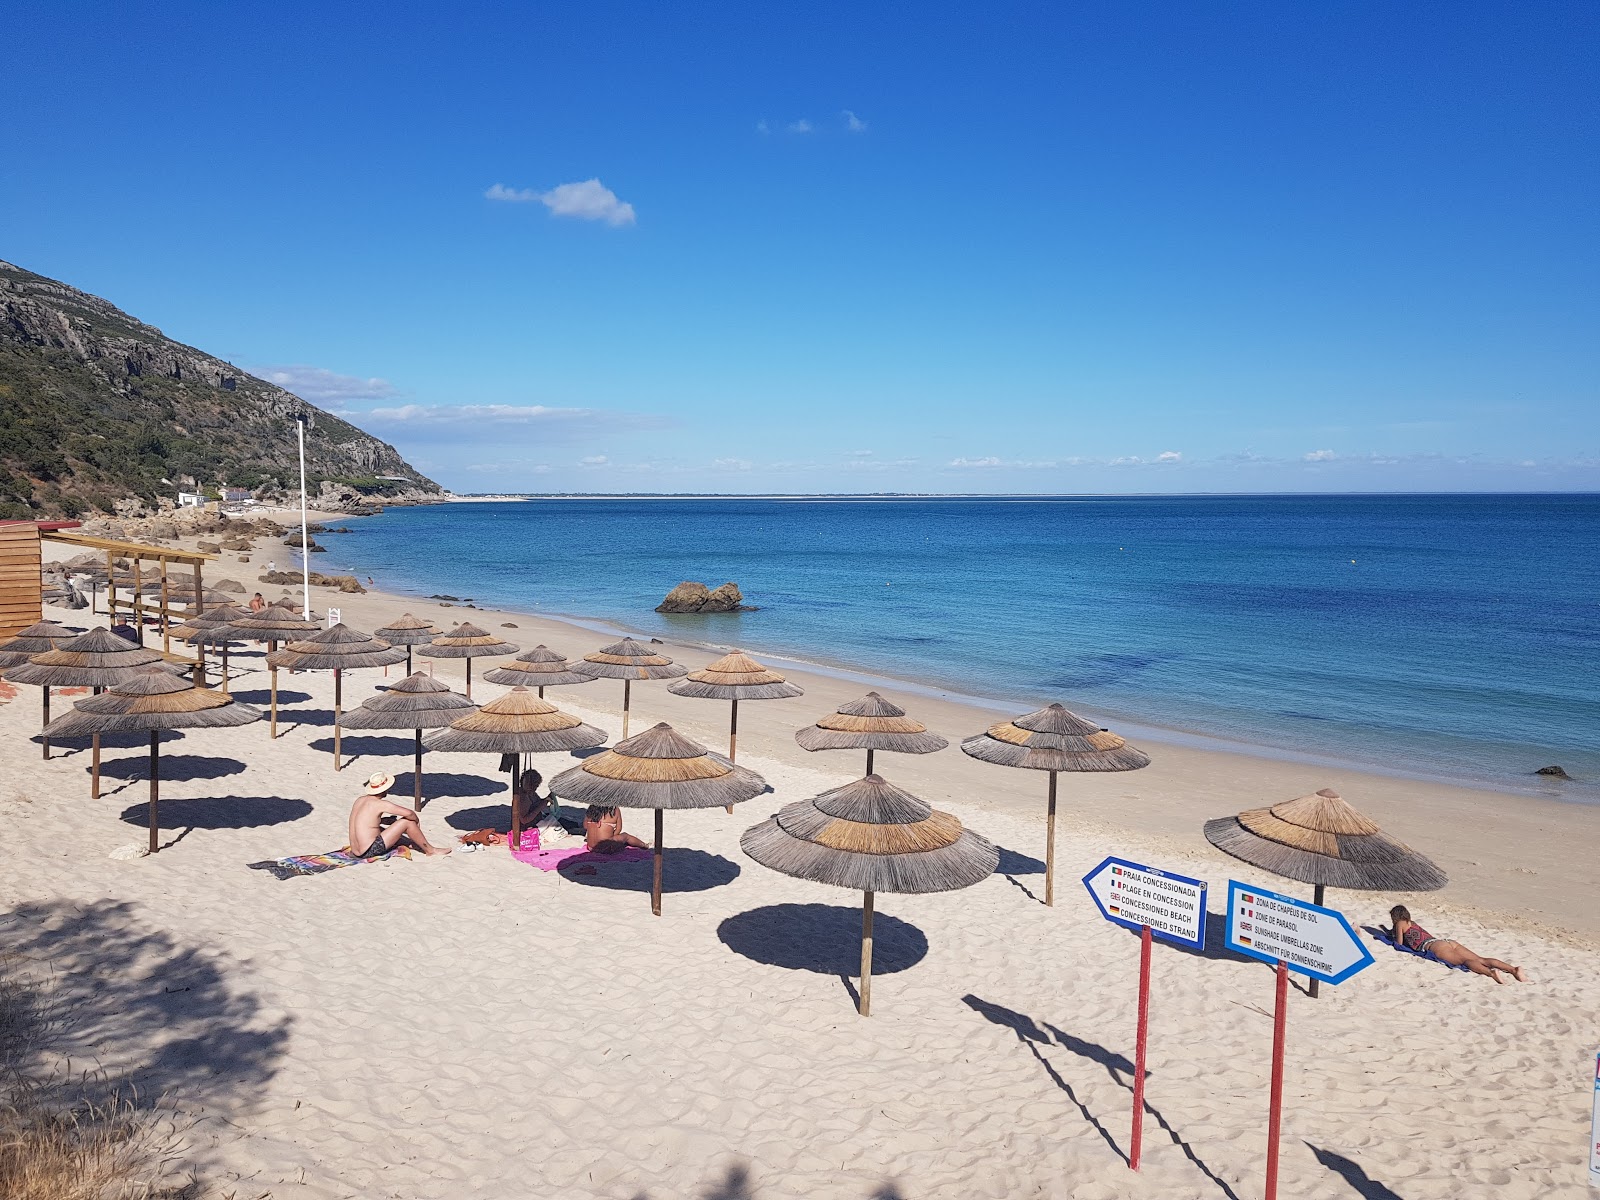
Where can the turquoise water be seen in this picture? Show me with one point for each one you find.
(1445, 636)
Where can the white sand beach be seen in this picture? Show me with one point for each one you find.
(473, 1027)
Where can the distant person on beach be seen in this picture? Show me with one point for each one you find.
(602, 831)
(123, 630)
(533, 809)
(1412, 936)
(258, 603)
(370, 837)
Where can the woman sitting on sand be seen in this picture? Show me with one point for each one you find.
(534, 810)
(602, 831)
(1414, 937)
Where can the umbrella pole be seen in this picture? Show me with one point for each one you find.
(655, 886)
(155, 787)
(516, 809)
(541, 691)
(1316, 898)
(46, 695)
(408, 660)
(1050, 848)
(627, 693)
(224, 668)
(869, 762)
(416, 791)
(94, 768)
(866, 954)
(469, 677)
(338, 707)
(733, 735)
(273, 671)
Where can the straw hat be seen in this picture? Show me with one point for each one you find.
(1053, 739)
(379, 783)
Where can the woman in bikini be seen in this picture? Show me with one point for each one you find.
(1414, 937)
(602, 831)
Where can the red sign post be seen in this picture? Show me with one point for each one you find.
(1136, 1140)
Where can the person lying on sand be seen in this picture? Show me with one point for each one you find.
(370, 837)
(1412, 936)
(602, 831)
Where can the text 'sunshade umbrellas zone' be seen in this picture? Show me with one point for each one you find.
(35, 639)
(273, 624)
(871, 724)
(629, 660)
(407, 631)
(469, 642)
(871, 836)
(517, 723)
(97, 659)
(659, 769)
(338, 649)
(1054, 740)
(538, 668)
(152, 700)
(416, 702)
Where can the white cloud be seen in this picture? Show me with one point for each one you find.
(853, 123)
(1127, 460)
(1170, 456)
(858, 453)
(800, 126)
(1320, 456)
(589, 200)
(594, 460)
(763, 128)
(321, 386)
(732, 464)
(990, 463)
(459, 421)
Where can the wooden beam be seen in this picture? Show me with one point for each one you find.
(131, 549)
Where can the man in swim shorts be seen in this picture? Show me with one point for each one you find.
(370, 837)
(1412, 936)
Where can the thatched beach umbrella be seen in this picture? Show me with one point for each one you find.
(735, 677)
(273, 624)
(407, 631)
(337, 649)
(154, 700)
(516, 724)
(1053, 740)
(213, 627)
(37, 638)
(469, 642)
(628, 660)
(872, 837)
(1321, 840)
(870, 723)
(538, 668)
(417, 702)
(97, 659)
(659, 769)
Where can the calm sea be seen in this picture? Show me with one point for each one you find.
(1443, 636)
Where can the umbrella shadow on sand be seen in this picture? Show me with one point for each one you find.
(357, 745)
(734, 1183)
(683, 870)
(1119, 1067)
(263, 697)
(174, 768)
(1352, 1173)
(1013, 864)
(823, 938)
(216, 812)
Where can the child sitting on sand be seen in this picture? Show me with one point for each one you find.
(602, 830)
(1412, 936)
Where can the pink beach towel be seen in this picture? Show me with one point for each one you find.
(568, 856)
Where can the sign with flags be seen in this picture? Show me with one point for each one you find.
(1174, 906)
(1306, 937)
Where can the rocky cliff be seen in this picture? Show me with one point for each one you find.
(96, 407)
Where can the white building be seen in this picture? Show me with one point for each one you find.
(191, 500)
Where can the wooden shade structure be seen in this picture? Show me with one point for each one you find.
(407, 631)
(871, 836)
(38, 638)
(735, 677)
(870, 723)
(213, 627)
(338, 649)
(628, 660)
(469, 642)
(538, 668)
(1054, 740)
(97, 659)
(273, 624)
(152, 700)
(416, 703)
(516, 724)
(659, 769)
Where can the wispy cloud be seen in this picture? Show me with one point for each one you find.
(992, 463)
(732, 464)
(587, 200)
(763, 128)
(321, 386)
(594, 460)
(458, 421)
(1170, 456)
(800, 126)
(858, 453)
(853, 123)
(1320, 456)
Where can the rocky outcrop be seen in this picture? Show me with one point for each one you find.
(1553, 770)
(692, 597)
(345, 583)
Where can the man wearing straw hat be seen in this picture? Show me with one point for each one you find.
(370, 837)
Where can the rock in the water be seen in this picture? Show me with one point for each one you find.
(727, 598)
(1553, 770)
(692, 597)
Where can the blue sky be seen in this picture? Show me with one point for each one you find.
(1129, 248)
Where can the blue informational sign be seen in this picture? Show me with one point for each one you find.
(1305, 937)
(1134, 895)
(1594, 1130)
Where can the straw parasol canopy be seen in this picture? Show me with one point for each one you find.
(628, 660)
(735, 677)
(408, 631)
(152, 699)
(659, 769)
(38, 638)
(213, 627)
(338, 649)
(516, 724)
(873, 837)
(870, 723)
(417, 702)
(538, 668)
(1054, 740)
(273, 624)
(467, 641)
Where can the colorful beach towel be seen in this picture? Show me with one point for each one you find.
(1383, 935)
(316, 864)
(576, 855)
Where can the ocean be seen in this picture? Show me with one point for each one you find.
(1451, 637)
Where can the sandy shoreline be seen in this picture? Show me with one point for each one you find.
(461, 1027)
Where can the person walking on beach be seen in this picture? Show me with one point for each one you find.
(370, 837)
(1414, 937)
